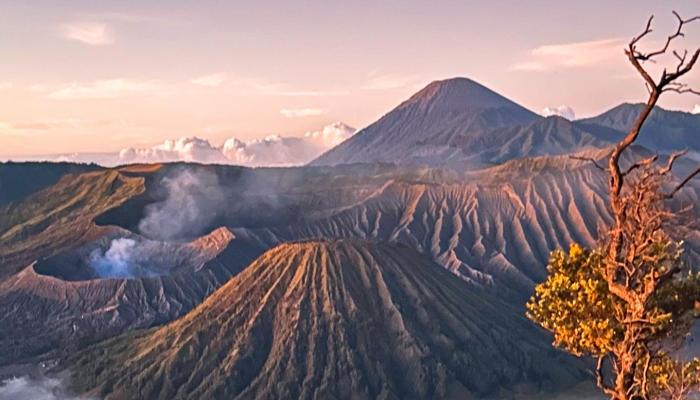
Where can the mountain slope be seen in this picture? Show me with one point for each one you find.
(57, 304)
(550, 136)
(334, 319)
(494, 225)
(20, 180)
(664, 130)
(419, 130)
(483, 232)
(60, 217)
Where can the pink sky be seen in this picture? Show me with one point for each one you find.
(81, 76)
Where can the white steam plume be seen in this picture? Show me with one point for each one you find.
(34, 389)
(116, 261)
(193, 200)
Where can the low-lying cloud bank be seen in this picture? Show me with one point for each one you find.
(271, 151)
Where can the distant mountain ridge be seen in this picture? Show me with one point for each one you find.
(460, 124)
(544, 137)
(664, 131)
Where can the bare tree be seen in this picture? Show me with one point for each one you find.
(626, 303)
(639, 215)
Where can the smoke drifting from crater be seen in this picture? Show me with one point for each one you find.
(193, 199)
(136, 257)
(115, 262)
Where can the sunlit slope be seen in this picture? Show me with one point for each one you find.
(334, 319)
(20, 180)
(60, 217)
(498, 224)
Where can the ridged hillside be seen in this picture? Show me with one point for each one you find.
(482, 231)
(334, 319)
(60, 217)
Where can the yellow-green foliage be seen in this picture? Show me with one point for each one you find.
(574, 303)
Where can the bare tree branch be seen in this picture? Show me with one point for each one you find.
(683, 183)
(666, 83)
(642, 163)
(641, 217)
(647, 31)
(679, 33)
(671, 160)
(589, 159)
(600, 378)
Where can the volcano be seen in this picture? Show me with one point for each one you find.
(420, 129)
(334, 319)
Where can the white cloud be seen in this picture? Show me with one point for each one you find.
(562, 111)
(571, 55)
(185, 149)
(273, 150)
(331, 135)
(107, 89)
(91, 33)
(696, 110)
(303, 112)
(387, 81)
(35, 389)
(211, 80)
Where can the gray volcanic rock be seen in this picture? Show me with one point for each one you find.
(494, 227)
(334, 319)
(420, 129)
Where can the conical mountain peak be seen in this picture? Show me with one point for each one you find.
(420, 129)
(458, 94)
(344, 319)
